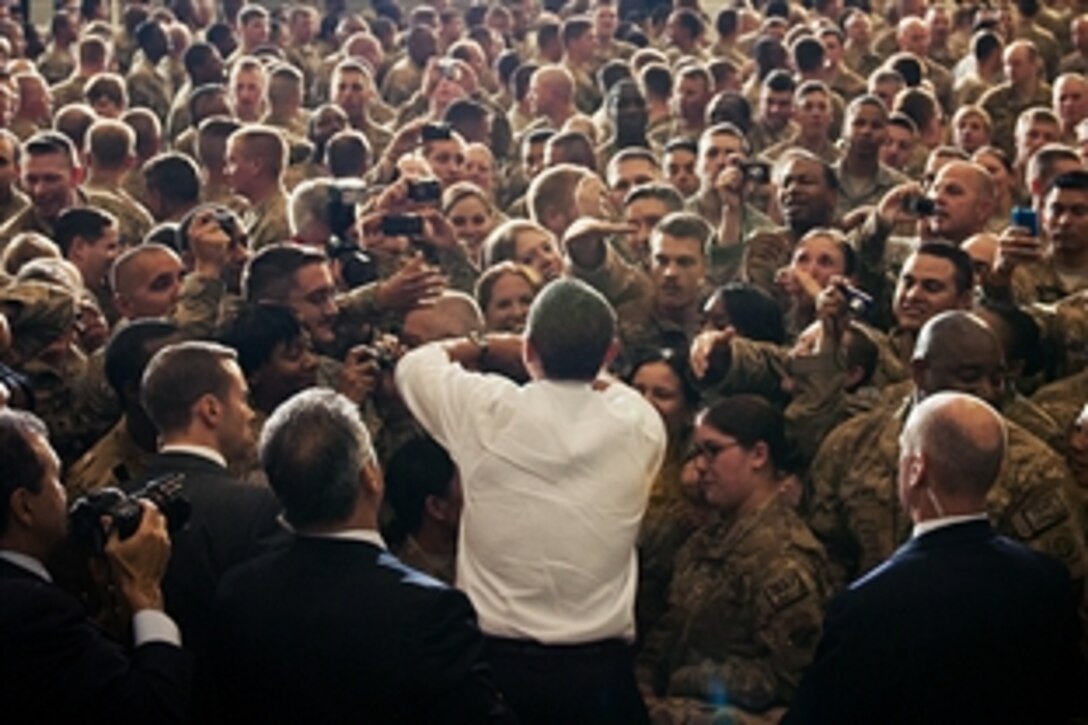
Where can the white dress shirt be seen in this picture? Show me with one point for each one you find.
(555, 477)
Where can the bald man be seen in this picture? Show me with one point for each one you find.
(551, 94)
(961, 624)
(963, 192)
(854, 510)
(453, 314)
(145, 281)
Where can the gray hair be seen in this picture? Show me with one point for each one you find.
(313, 448)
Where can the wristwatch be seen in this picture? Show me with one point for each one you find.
(483, 346)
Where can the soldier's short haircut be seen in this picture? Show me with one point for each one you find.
(685, 225)
(23, 465)
(633, 153)
(178, 376)
(264, 144)
(312, 449)
(251, 12)
(80, 221)
(204, 94)
(212, 129)
(521, 78)
(779, 81)
(147, 127)
(197, 56)
(554, 188)
(909, 66)
(110, 144)
(575, 28)
(665, 193)
(571, 327)
(656, 81)
(51, 142)
(269, 275)
(984, 44)
(1036, 114)
(130, 350)
(904, 122)
(348, 154)
(174, 176)
(109, 86)
(727, 129)
(93, 51)
(682, 144)
(577, 149)
(964, 275)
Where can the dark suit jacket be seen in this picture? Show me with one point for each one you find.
(332, 630)
(959, 626)
(57, 666)
(230, 522)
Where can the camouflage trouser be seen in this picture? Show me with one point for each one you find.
(685, 711)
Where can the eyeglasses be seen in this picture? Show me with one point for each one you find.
(708, 452)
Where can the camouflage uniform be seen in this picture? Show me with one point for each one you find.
(851, 197)
(1004, 109)
(69, 91)
(587, 96)
(39, 315)
(26, 220)
(1066, 325)
(149, 87)
(55, 64)
(762, 138)
(16, 203)
(401, 82)
(855, 508)
(671, 518)
(114, 460)
(266, 223)
(746, 606)
(133, 221)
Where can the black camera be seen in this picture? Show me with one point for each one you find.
(758, 172)
(436, 132)
(402, 225)
(425, 190)
(920, 206)
(125, 512)
(357, 268)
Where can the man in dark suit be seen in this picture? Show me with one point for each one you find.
(333, 628)
(196, 396)
(960, 625)
(56, 665)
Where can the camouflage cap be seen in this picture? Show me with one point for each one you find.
(38, 314)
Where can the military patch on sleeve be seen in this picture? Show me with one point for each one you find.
(784, 591)
(1041, 513)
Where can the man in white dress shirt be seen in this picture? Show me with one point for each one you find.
(556, 475)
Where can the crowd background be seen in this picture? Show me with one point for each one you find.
(814, 215)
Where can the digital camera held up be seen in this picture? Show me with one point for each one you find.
(124, 510)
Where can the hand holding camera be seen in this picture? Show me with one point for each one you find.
(139, 561)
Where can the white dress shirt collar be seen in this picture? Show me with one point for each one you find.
(195, 450)
(924, 527)
(370, 536)
(24, 561)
